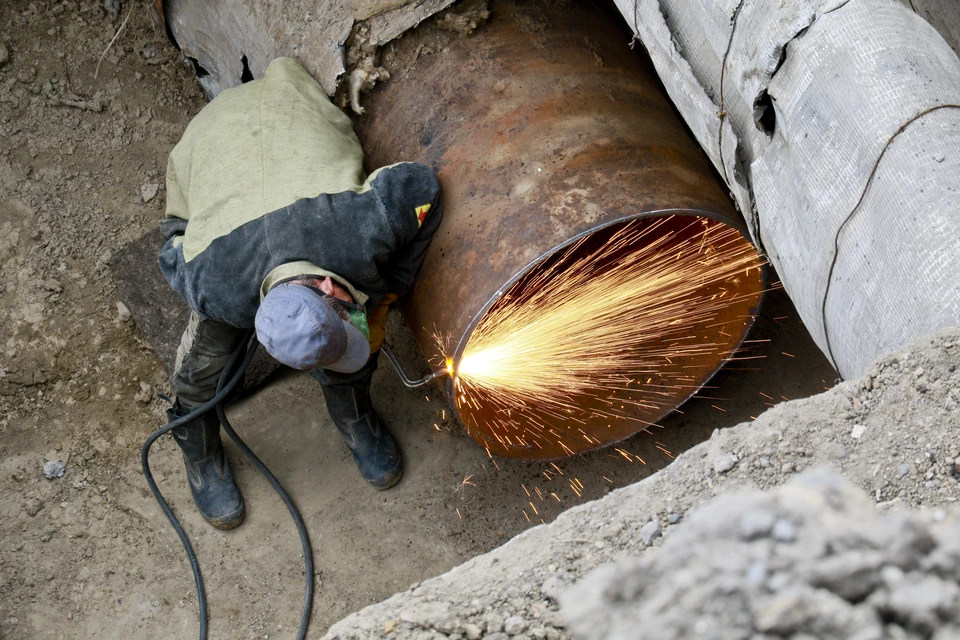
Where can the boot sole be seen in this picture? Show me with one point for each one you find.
(389, 483)
(231, 521)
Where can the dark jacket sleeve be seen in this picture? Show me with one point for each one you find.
(405, 263)
(406, 188)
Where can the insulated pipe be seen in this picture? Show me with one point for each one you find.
(544, 128)
(836, 124)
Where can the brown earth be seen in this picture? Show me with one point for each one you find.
(89, 554)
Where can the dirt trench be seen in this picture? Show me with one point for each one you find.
(88, 554)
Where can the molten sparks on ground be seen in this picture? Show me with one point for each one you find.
(607, 331)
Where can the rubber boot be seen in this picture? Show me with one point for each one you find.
(374, 449)
(208, 472)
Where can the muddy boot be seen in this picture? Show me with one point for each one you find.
(211, 481)
(373, 448)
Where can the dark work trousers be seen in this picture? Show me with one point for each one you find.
(206, 346)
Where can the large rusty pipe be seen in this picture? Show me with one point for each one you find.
(544, 127)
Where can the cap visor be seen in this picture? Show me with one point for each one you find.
(357, 353)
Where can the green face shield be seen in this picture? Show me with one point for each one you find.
(358, 317)
(355, 313)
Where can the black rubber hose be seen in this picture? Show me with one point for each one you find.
(287, 501)
(224, 388)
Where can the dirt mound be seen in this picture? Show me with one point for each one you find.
(810, 559)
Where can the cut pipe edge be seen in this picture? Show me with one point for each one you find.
(550, 438)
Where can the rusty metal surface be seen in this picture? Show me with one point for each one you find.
(542, 127)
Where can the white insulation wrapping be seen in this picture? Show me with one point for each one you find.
(836, 124)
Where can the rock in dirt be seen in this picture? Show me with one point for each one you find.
(33, 507)
(783, 531)
(650, 532)
(53, 469)
(724, 462)
(149, 191)
(111, 8)
(123, 313)
(514, 625)
(145, 394)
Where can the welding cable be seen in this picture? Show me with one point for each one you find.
(225, 386)
(284, 496)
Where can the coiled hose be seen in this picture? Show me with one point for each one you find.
(228, 381)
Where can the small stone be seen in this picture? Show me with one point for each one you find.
(904, 469)
(724, 462)
(853, 575)
(33, 507)
(757, 575)
(149, 191)
(783, 531)
(53, 469)
(787, 467)
(650, 532)
(51, 285)
(123, 313)
(390, 625)
(783, 613)
(756, 524)
(145, 395)
(891, 576)
(858, 430)
(764, 462)
(494, 623)
(472, 631)
(919, 600)
(674, 518)
(514, 625)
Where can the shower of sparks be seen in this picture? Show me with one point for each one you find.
(611, 333)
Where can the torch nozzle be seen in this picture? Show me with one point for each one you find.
(446, 371)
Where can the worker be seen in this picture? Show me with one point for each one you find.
(272, 224)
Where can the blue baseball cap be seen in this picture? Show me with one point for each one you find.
(301, 329)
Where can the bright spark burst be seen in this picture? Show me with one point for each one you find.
(610, 332)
